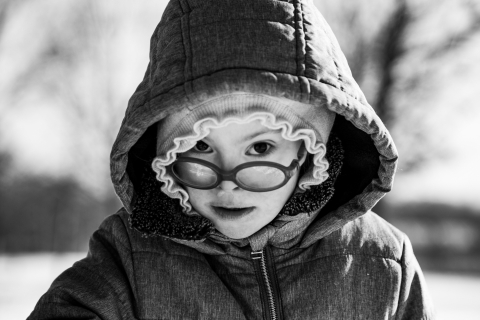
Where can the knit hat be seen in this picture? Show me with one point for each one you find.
(180, 131)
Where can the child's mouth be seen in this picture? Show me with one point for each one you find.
(232, 213)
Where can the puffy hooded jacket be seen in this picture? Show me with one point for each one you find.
(326, 256)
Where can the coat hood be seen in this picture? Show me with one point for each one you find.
(203, 49)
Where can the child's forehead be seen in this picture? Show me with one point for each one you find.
(241, 132)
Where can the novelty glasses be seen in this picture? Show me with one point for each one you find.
(256, 176)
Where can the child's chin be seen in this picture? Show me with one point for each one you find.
(236, 234)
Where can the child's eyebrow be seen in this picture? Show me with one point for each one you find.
(257, 133)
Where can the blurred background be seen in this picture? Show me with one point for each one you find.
(68, 68)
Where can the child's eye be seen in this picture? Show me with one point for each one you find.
(201, 146)
(261, 148)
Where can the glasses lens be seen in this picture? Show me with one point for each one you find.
(194, 174)
(261, 177)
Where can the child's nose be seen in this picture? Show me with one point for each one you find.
(228, 186)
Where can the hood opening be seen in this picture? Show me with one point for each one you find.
(140, 157)
(360, 165)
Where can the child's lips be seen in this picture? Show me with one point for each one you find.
(231, 213)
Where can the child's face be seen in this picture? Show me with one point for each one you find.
(228, 147)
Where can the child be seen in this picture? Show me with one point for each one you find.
(247, 163)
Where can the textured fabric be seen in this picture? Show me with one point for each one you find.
(338, 261)
(241, 105)
(364, 270)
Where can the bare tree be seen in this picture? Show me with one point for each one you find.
(433, 47)
(4, 10)
(390, 51)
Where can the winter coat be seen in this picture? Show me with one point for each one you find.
(326, 256)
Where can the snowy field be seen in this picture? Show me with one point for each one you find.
(24, 278)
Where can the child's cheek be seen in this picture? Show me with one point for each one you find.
(195, 198)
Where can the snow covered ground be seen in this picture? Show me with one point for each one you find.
(24, 278)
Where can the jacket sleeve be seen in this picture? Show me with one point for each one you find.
(96, 287)
(414, 300)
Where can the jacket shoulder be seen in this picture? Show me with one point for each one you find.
(369, 235)
(117, 229)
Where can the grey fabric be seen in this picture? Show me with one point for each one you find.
(365, 270)
(338, 262)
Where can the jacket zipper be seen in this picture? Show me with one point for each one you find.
(260, 262)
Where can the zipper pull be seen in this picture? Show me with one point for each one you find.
(256, 255)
